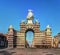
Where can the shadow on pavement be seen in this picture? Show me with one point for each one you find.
(5, 53)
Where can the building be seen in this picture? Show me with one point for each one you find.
(57, 40)
(17, 39)
(3, 41)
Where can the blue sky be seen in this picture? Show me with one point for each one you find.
(29, 37)
(46, 11)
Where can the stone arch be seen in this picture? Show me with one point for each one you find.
(29, 29)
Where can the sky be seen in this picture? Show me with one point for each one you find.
(47, 12)
(29, 37)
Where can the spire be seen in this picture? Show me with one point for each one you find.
(10, 30)
(30, 13)
(48, 30)
(36, 21)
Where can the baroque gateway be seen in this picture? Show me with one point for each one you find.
(17, 39)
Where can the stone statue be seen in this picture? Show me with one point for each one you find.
(30, 14)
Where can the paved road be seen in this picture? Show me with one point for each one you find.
(29, 51)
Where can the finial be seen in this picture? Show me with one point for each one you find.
(48, 26)
(30, 14)
(36, 20)
(10, 26)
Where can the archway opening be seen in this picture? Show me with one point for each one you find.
(3, 42)
(29, 35)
